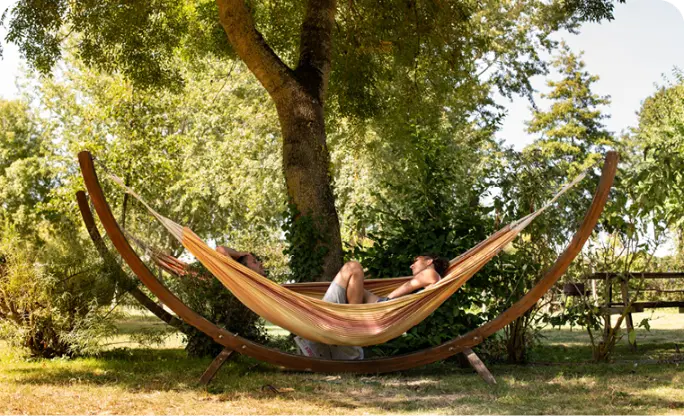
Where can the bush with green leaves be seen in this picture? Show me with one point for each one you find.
(393, 253)
(432, 207)
(305, 254)
(205, 294)
(53, 298)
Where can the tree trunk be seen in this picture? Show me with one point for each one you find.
(516, 345)
(299, 95)
(306, 163)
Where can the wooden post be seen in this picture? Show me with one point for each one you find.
(479, 366)
(215, 366)
(628, 318)
(608, 293)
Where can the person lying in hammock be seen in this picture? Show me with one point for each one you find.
(347, 287)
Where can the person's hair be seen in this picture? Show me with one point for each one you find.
(242, 259)
(440, 264)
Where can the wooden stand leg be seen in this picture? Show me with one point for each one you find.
(215, 366)
(628, 319)
(479, 366)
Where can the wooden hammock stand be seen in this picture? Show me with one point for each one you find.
(468, 356)
(233, 342)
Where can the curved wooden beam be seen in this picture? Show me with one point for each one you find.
(379, 365)
(120, 275)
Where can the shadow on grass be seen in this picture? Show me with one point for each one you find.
(593, 388)
(566, 346)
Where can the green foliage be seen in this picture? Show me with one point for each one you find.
(410, 118)
(658, 160)
(427, 200)
(204, 294)
(209, 163)
(26, 176)
(573, 139)
(53, 300)
(392, 252)
(619, 252)
(647, 201)
(409, 60)
(306, 256)
(380, 54)
(137, 38)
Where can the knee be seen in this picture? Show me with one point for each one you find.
(353, 268)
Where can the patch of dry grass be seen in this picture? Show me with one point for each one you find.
(163, 380)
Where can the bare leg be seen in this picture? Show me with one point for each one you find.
(369, 297)
(350, 277)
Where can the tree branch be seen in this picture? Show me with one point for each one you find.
(251, 47)
(315, 47)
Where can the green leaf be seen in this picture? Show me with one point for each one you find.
(632, 336)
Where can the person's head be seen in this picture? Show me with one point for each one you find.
(429, 260)
(243, 257)
(251, 261)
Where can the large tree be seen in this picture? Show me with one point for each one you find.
(571, 139)
(359, 58)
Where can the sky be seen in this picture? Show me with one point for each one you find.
(630, 55)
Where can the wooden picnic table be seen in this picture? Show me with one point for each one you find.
(618, 308)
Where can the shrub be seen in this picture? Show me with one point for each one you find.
(448, 233)
(205, 294)
(53, 300)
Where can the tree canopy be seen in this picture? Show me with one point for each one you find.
(659, 153)
(416, 61)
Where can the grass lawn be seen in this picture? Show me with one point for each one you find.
(137, 380)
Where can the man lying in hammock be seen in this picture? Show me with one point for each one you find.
(347, 287)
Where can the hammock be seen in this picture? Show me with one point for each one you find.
(179, 268)
(375, 365)
(342, 324)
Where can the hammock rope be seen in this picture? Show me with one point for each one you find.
(341, 324)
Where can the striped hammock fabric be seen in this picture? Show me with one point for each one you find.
(177, 267)
(299, 309)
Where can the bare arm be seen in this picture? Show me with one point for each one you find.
(227, 251)
(423, 279)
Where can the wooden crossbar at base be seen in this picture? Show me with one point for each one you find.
(377, 365)
(479, 366)
(216, 365)
(227, 353)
